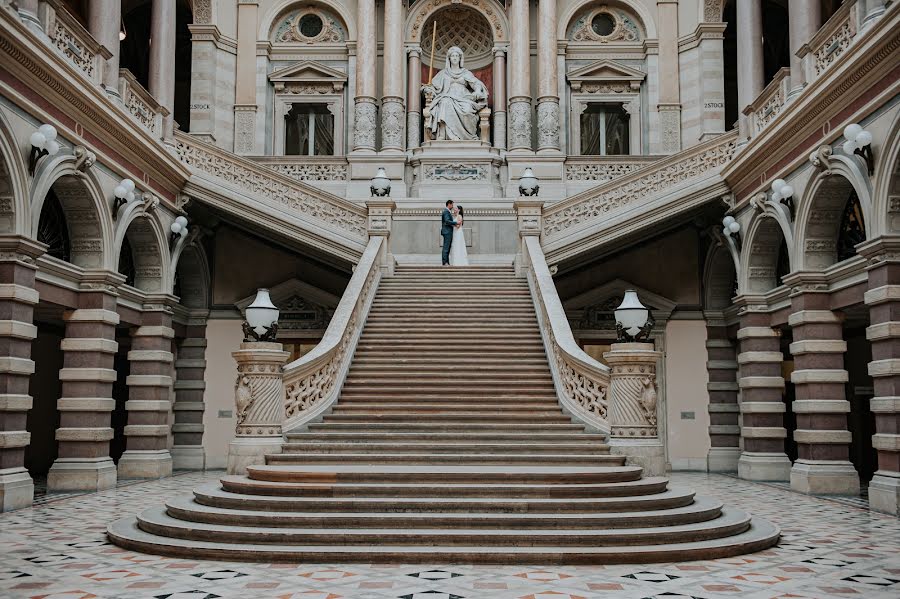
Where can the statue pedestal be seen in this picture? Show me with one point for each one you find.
(456, 170)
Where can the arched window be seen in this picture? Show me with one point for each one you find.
(53, 229)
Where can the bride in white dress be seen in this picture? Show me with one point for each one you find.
(458, 254)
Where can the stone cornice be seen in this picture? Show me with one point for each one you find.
(42, 83)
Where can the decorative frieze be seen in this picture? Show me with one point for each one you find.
(365, 117)
(392, 117)
(548, 124)
(519, 124)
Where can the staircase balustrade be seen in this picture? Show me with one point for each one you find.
(313, 383)
(582, 383)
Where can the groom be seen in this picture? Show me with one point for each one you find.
(447, 224)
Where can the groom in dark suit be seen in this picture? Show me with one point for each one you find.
(447, 224)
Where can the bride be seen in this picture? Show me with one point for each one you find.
(458, 254)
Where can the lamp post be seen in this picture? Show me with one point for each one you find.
(124, 194)
(528, 184)
(380, 185)
(784, 193)
(261, 318)
(633, 320)
(179, 228)
(732, 228)
(859, 142)
(43, 143)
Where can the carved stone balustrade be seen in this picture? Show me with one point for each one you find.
(257, 402)
(770, 102)
(74, 42)
(140, 104)
(585, 172)
(832, 41)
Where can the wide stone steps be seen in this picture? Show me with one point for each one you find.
(446, 445)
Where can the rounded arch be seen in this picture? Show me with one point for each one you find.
(13, 182)
(719, 277)
(765, 257)
(821, 210)
(148, 246)
(191, 277)
(491, 10)
(647, 22)
(82, 200)
(886, 216)
(276, 11)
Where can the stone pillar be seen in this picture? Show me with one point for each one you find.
(804, 20)
(245, 107)
(104, 22)
(365, 111)
(750, 57)
(414, 97)
(87, 376)
(633, 405)
(500, 97)
(883, 300)
(162, 60)
(28, 11)
(259, 404)
(762, 406)
(17, 300)
(874, 9)
(381, 214)
(190, 369)
(529, 213)
(519, 118)
(149, 403)
(669, 106)
(392, 113)
(821, 407)
(724, 430)
(547, 83)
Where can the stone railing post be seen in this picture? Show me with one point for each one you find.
(380, 224)
(529, 216)
(259, 404)
(633, 405)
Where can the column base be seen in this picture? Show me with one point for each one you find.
(824, 478)
(723, 459)
(250, 451)
(82, 474)
(884, 492)
(764, 467)
(16, 489)
(188, 457)
(156, 463)
(648, 454)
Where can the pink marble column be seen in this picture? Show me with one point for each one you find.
(750, 56)
(162, 60)
(414, 97)
(547, 82)
(804, 19)
(392, 113)
(365, 110)
(519, 118)
(104, 22)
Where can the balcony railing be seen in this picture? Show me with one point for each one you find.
(770, 102)
(74, 42)
(831, 42)
(140, 104)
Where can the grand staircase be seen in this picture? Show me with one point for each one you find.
(447, 445)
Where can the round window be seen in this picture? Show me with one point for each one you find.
(310, 25)
(603, 24)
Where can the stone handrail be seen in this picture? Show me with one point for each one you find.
(832, 41)
(74, 42)
(770, 102)
(307, 168)
(313, 382)
(587, 209)
(143, 107)
(324, 210)
(602, 169)
(582, 383)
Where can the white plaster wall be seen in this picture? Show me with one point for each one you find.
(223, 337)
(686, 378)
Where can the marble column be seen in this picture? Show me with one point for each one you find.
(883, 300)
(547, 81)
(821, 407)
(724, 411)
(28, 11)
(87, 376)
(519, 118)
(365, 112)
(874, 9)
(190, 386)
(414, 97)
(149, 387)
(804, 20)
(104, 23)
(500, 97)
(392, 112)
(669, 106)
(162, 60)
(749, 57)
(17, 300)
(762, 407)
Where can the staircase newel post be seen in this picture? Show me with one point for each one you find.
(380, 222)
(528, 215)
(633, 406)
(259, 404)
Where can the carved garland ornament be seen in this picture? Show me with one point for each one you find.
(605, 24)
(309, 25)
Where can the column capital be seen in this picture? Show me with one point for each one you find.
(414, 50)
(885, 248)
(101, 280)
(500, 50)
(802, 282)
(18, 248)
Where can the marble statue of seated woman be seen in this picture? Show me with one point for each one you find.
(458, 105)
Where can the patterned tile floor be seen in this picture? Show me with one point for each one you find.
(58, 550)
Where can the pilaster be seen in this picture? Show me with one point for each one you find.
(190, 386)
(724, 411)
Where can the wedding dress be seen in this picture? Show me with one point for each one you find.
(458, 254)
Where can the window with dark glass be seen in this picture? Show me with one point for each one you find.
(604, 130)
(309, 131)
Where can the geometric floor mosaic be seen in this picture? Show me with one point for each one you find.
(58, 550)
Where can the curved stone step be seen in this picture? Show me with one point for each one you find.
(372, 404)
(449, 418)
(445, 427)
(423, 458)
(429, 446)
(499, 437)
